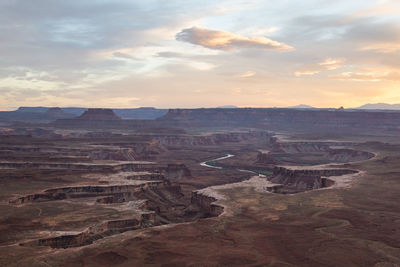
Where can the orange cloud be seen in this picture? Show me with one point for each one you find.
(332, 63)
(247, 74)
(306, 72)
(222, 40)
(368, 76)
(327, 64)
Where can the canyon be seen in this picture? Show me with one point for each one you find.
(241, 185)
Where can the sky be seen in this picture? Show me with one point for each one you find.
(189, 54)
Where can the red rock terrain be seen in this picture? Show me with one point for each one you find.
(91, 197)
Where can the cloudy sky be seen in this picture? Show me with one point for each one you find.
(127, 53)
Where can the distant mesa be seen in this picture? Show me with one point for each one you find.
(99, 114)
(151, 108)
(301, 106)
(228, 106)
(380, 106)
(32, 109)
(56, 112)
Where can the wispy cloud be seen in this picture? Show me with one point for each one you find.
(247, 74)
(368, 75)
(332, 63)
(223, 40)
(326, 64)
(299, 73)
(385, 48)
(123, 56)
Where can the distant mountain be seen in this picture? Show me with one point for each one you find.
(228, 106)
(380, 106)
(69, 110)
(143, 113)
(33, 109)
(301, 106)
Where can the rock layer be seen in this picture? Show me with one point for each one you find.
(299, 180)
(285, 119)
(98, 231)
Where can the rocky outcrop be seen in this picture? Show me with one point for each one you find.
(323, 152)
(333, 153)
(124, 152)
(207, 198)
(287, 171)
(285, 119)
(58, 166)
(94, 118)
(175, 171)
(299, 147)
(151, 202)
(117, 191)
(146, 176)
(298, 180)
(211, 139)
(108, 228)
(275, 188)
(66, 241)
(99, 114)
(171, 171)
(206, 203)
(348, 155)
(265, 159)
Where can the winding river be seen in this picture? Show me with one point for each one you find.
(206, 163)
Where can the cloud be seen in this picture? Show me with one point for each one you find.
(222, 40)
(326, 64)
(201, 65)
(332, 63)
(369, 31)
(299, 73)
(368, 76)
(247, 74)
(123, 56)
(167, 54)
(385, 48)
(384, 8)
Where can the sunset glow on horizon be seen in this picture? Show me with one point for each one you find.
(189, 54)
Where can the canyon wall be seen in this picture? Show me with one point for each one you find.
(98, 231)
(284, 119)
(206, 203)
(298, 180)
(211, 139)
